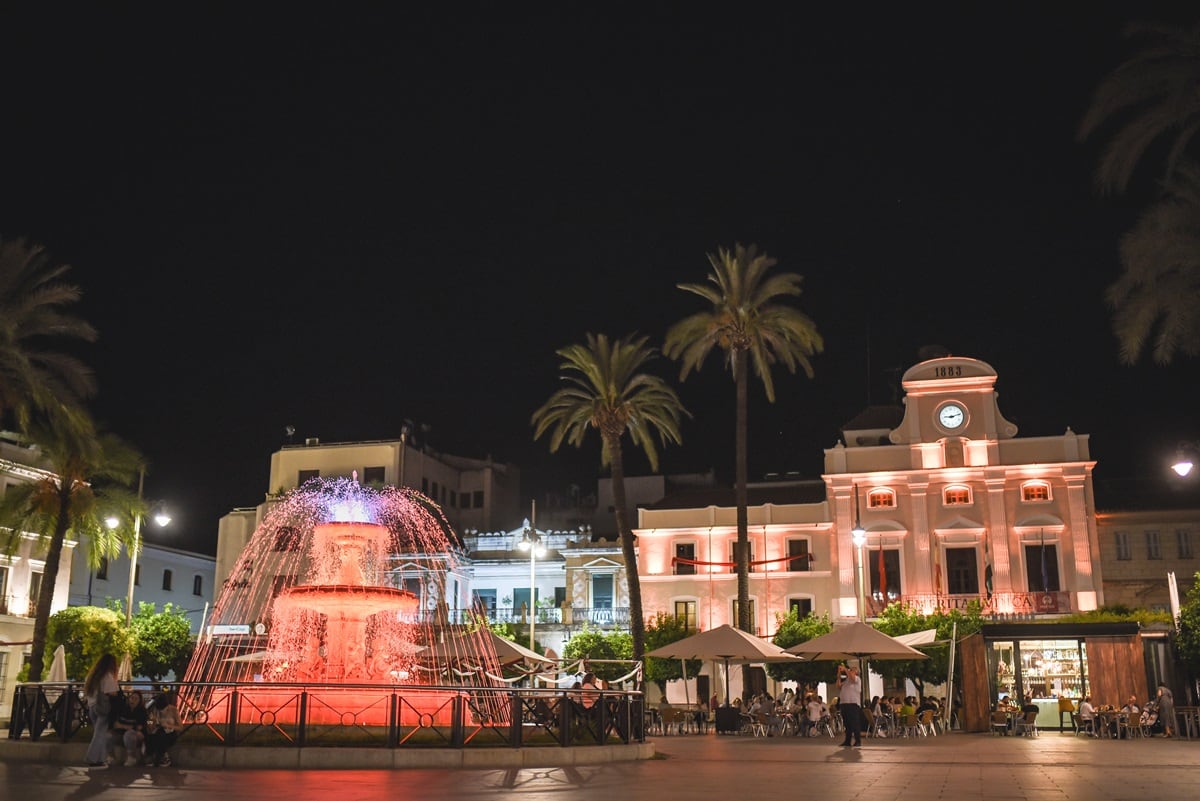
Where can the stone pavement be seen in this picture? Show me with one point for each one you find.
(955, 767)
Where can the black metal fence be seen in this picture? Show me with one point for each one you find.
(254, 714)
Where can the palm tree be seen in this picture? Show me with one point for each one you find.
(1150, 98)
(748, 322)
(33, 296)
(1155, 298)
(608, 392)
(71, 500)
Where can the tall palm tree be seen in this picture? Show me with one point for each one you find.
(750, 323)
(33, 322)
(1155, 297)
(607, 391)
(71, 500)
(1149, 98)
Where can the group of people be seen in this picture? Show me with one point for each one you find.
(121, 720)
(808, 713)
(1156, 716)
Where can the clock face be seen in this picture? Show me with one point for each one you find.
(951, 415)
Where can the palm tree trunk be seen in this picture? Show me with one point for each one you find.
(742, 557)
(45, 599)
(637, 622)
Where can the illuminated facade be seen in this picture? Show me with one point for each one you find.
(954, 506)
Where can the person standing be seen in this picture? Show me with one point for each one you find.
(849, 688)
(1166, 709)
(100, 688)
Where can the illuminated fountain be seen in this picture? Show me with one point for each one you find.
(336, 595)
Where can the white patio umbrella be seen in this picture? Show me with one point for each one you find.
(726, 643)
(855, 641)
(58, 666)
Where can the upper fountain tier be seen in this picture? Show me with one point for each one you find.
(341, 552)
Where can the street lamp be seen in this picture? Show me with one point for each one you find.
(161, 519)
(1185, 457)
(533, 543)
(858, 535)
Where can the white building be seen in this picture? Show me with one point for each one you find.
(165, 575)
(21, 572)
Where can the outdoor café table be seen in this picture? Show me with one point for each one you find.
(1189, 719)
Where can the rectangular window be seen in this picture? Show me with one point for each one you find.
(424, 486)
(1035, 491)
(962, 571)
(801, 606)
(799, 558)
(521, 599)
(477, 501)
(685, 611)
(484, 600)
(1041, 567)
(198, 585)
(3, 594)
(881, 499)
(602, 591)
(1183, 540)
(560, 596)
(685, 551)
(35, 589)
(891, 586)
(167, 580)
(733, 556)
(306, 475)
(102, 569)
(373, 475)
(453, 499)
(753, 619)
(1124, 551)
(434, 494)
(1153, 548)
(286, 539)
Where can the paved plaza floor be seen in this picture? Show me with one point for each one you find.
(955, 767)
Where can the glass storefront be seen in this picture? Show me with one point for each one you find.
(1041, 670)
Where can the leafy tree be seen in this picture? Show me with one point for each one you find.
(1151, 98)
(74, 499)
(793, 630)
(591, 644)
(1119, 613)
(1154, 299)
(35, 373)
(607, 391)
(87, 633)
(750, 323)
(1187, 643)
(898, 619)
(663, 630)
(164, 641)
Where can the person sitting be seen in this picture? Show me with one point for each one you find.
(162, 729)
(128, 729)
(1087, 716)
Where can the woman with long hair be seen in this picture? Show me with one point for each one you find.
(100, 689)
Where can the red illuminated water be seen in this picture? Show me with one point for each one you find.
(342, 584)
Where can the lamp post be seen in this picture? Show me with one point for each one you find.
(160, 518)
(533, 543)
(1185, 458)
(858, 535)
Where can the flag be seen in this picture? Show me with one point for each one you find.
(987, 569)
(1045, 571)
(883, 599)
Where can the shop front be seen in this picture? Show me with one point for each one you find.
(1044, 663)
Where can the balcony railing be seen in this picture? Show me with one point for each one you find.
(596, 616)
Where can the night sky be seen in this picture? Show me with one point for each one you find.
(339, 223)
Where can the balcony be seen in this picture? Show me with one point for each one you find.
(599, 617)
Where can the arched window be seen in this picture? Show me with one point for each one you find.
(1034, 491)
(881, 498)
(198, 585)
(957, 495)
